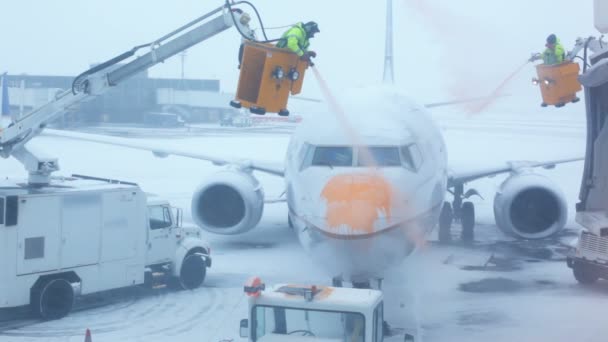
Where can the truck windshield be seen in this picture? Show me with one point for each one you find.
(274, 323)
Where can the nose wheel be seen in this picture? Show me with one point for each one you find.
(445, 223)
(337, 281)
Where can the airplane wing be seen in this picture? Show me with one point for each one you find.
(463, 176)
(463, 101)
(457, 175)
(163, 152)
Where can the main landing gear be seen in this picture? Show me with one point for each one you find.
(459, 211)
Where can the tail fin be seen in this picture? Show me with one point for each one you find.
(389, 73)
(6, 106)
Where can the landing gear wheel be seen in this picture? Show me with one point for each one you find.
(446, 217)
(543, 105)
(54, 300)
(236, 104)
(467, 220)
(365, 285)
(193, 272)
(560, 105)
(337, 282)
(575, 100)
(283, 112)
(584, 274)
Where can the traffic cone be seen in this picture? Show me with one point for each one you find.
(87, 336)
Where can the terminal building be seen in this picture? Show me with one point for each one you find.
(138, 100)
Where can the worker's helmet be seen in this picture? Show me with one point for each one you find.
(245, 19)
(552, 39)
(311, 28)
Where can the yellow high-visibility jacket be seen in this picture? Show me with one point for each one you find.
(556, 56)
(295, 39)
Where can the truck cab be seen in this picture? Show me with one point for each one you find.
(313, 313)
(164, 231)
(166, 234)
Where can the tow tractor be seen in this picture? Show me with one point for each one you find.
(314, 313)
(589, 262)
(68, 236)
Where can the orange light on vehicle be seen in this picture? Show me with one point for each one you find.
(254, 287)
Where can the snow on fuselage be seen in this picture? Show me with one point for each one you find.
(356, 217)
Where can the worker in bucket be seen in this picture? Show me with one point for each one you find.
(554, 54)
(297, 39)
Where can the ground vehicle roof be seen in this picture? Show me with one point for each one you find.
(12, 187)
(327, 298)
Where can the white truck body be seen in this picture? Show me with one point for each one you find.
(97, 235)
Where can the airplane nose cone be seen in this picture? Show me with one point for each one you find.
(357, 202)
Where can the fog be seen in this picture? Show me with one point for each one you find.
(440, 45)
(443, 49)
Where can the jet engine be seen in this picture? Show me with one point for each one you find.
(230, 202)
(530, 206)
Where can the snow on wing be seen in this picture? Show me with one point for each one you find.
(159, 151)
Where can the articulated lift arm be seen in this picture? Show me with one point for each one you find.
(100, 79)
(592, 44)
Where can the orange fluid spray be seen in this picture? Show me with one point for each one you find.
(451, 29)
(480, 107)
(338, 111)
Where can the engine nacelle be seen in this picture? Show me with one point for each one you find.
(230, 202)
(530, 206)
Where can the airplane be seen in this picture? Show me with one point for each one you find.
(364, 184)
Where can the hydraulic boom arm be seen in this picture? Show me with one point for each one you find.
(99, 79)
(591, 43)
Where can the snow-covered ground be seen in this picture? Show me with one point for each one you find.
(442, 293)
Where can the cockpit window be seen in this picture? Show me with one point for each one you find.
(332, 156)
(411, 157)
(408, 156)
(381, 156)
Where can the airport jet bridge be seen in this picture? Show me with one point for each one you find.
(101, 78)
(593, 207)
(589, 262)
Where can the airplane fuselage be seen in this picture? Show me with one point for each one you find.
(358, 216)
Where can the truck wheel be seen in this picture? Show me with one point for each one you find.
(584, 274)
(193, 272)
(54, 300)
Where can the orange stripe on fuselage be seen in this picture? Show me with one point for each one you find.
(357, 200)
